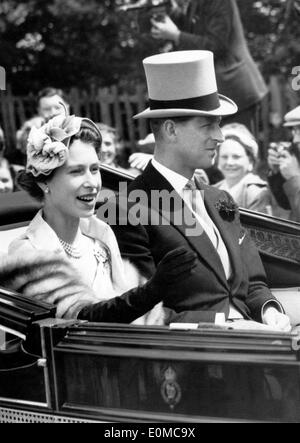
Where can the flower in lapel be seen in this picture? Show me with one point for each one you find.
(227, 209)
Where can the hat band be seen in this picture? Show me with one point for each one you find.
(204, 103)
(294, 121)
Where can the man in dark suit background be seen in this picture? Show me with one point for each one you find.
(229, 281)
(215, 25)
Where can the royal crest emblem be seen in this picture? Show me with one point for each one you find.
(170, 389)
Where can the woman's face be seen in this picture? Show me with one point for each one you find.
(233, 162)
(75, 186)
(6, 180)
(108, 150)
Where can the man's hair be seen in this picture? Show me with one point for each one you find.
(157, 123)
(50, 92)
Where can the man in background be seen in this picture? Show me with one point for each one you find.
(284, 164)
(216, 25)
(51, 102)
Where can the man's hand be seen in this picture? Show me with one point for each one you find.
(276, 319)
(289, 165)
(139, 160)
(273, 160)
(165, 30)
(175, 266)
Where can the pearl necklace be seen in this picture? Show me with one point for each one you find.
(71, 250)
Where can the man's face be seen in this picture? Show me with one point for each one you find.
(198, 140)
(51, 106)
(296, 134)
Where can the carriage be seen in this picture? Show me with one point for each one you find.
(72, 371)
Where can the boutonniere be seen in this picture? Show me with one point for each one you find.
(227, 209)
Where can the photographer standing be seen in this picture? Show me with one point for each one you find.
(216, 25)
(284, 164)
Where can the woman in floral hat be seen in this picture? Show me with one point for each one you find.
(63, 172)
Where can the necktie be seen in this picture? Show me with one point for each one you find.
(206, 223)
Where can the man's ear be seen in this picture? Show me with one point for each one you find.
(170, 128)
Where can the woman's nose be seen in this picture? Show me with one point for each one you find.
(230, 161)
(92, 180)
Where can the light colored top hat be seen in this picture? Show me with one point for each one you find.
(292, 118)
(183, 83)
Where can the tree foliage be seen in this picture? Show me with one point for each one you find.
(82, 42)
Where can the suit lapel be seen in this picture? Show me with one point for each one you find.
(226, 230)
(200, 243)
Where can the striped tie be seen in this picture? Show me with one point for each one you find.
(195, 194)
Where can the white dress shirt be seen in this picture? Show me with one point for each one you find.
(179, 182)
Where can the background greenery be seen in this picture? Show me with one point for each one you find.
(82, 42)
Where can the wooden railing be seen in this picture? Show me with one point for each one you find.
(116, 108)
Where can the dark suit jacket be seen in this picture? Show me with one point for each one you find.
(215, 25)
(206, 291)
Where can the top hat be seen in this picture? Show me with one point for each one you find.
(183, 83)
(292, 118)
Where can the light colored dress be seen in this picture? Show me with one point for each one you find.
(100, 265)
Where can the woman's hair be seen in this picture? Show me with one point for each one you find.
(87, 134)
(241, 134)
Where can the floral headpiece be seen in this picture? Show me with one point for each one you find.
(48, 146)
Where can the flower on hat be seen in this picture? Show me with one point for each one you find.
(47, 147)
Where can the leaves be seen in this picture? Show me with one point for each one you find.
(69, 43)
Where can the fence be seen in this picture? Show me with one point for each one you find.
(105, 105)
(116, 108)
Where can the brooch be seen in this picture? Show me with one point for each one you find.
(227, 209)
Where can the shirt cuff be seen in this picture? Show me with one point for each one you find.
(220, 318)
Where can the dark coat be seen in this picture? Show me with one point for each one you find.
(216, 25)
(206, 291)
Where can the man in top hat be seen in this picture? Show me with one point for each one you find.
(229, 281)
(284, 164)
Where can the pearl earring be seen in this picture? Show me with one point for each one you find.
(47, 190)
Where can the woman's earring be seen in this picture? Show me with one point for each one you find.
(47, 190)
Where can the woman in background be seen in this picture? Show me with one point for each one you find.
(237, 159)
(6, 177)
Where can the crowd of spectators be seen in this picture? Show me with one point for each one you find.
(276, 193)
